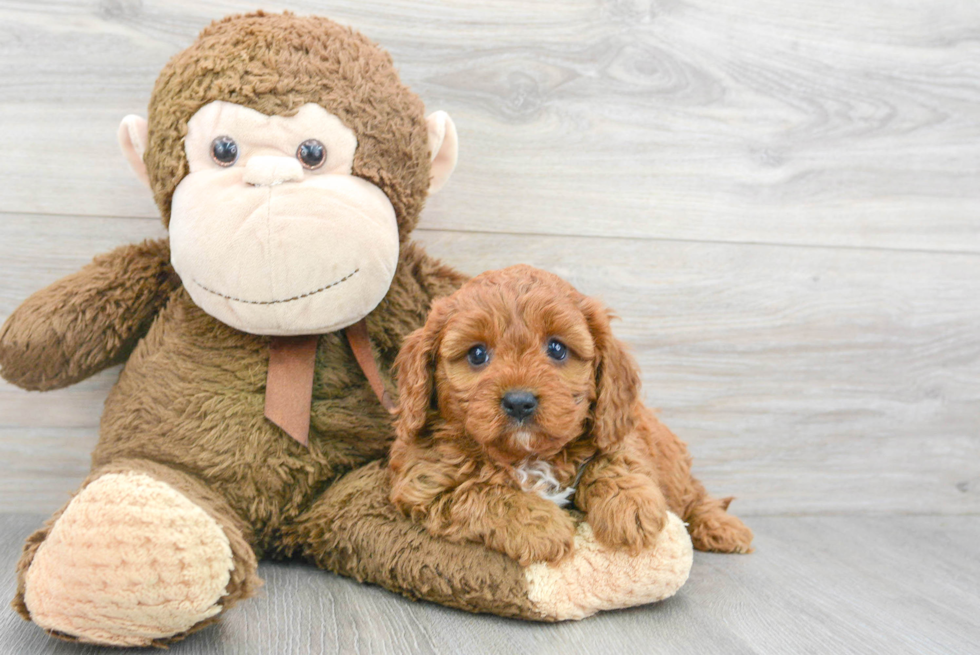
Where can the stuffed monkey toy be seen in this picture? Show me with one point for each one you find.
(290, 165)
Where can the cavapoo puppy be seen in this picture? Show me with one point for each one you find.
(516, 400)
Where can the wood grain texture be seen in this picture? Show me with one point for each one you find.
(806, 380)
(819, 585)
(816, 122)
(780, 200)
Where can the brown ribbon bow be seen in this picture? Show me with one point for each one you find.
(289, 385)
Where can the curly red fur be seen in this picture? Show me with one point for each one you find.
(457, 457)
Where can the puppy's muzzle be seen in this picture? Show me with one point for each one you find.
(520, 405)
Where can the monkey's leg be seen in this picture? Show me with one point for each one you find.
(353, 529)
(143, 554)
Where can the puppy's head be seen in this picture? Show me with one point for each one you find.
(522, 362)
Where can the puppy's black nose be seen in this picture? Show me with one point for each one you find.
(519, 404)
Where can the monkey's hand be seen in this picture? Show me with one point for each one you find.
(89, 320)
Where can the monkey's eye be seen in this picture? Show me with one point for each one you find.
(557, 350)
(478, 355)
(311, 153)
(224, 151)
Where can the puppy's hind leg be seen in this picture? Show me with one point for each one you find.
(712, 528)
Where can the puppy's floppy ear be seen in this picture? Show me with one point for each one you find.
(617, 378)
(415, 367)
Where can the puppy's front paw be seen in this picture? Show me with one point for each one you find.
(544, 538)
(628, 517)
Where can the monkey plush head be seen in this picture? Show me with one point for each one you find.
(289, 163)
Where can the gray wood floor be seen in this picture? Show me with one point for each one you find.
(883, 585)
(780, 199)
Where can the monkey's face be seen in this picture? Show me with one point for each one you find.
(270, 232)
(285, 218)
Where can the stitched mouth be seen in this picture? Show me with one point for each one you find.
(283, 300)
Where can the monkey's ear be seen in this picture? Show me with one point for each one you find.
(443, 148)
(133, 137)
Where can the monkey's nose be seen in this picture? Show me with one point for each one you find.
(265, 170)
(519, 404)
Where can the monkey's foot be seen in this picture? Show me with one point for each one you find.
(597, 578)
(130, 561)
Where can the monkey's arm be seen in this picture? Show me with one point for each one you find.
(419, 280)
(89, 320)
(434, 278)
(353, 529)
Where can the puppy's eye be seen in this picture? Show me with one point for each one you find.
(478, 355)
(311, 153)
(557, 350)
(224, 151)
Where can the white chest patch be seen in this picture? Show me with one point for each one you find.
(538, 477)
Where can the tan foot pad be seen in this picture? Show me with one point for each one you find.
(596, 578)
(129, 561)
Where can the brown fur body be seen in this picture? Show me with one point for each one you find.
(188, 410)
(456, 466)
(188, 407)
(182, 402)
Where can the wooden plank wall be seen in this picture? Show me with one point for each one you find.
(780, 199)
